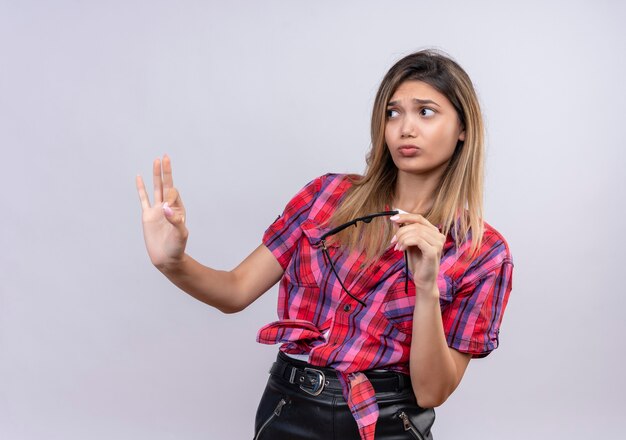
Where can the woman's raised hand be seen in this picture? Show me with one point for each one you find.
(424, 245)
(164, 229)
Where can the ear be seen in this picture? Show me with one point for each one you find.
(462, 135)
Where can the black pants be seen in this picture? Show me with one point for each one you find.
(289, 411)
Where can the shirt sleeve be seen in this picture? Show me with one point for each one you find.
(282, 236)
(472, 320)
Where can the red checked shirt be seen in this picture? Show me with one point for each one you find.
(318, 318)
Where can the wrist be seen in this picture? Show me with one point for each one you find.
(173, 265)
(427, 292)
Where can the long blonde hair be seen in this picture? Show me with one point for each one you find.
(458, 203)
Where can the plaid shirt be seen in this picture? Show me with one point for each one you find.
(311, 302)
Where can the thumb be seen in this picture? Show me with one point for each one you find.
(175, 219)
(173, 208)
(172, 197)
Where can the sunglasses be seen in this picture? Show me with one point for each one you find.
(365, 219)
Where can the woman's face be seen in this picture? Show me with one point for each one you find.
(422, 129)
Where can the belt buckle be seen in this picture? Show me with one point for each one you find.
(317, 387)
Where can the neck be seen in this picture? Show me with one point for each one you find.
(414, 193)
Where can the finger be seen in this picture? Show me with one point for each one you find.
(157, 182)
(143, 194)
(175, 217)
(168, 181)
(408, 236)
(419, 229)
(173, 199)
(426, 248)
(411, 219)
(173, 207)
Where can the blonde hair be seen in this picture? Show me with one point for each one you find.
(458, 202)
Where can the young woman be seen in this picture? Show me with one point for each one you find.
(390, 282)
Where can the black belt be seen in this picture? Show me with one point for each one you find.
(313, 380)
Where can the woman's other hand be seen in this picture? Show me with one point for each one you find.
(424, 244)
(164, 229)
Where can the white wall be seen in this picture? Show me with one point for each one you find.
(252, 100)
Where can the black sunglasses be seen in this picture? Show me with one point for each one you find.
(365, 219)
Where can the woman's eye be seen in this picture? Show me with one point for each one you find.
(425, 111)
(392, 113)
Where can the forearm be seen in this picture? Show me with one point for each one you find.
(216, 288)
(229, 291)
(432, 368)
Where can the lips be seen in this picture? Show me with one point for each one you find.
(409, 150)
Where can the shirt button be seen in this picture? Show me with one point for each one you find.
(346, 308)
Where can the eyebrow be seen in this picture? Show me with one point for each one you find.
(415, 100)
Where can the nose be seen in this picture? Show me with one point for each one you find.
(409, 127)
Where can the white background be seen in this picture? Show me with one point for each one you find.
(252, 100)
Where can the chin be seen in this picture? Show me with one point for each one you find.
(421, 170)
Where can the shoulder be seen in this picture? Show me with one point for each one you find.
(334, 181)
(323, 189)
(330, 187)
(463, 265)
(494, 242)
(493, 254)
